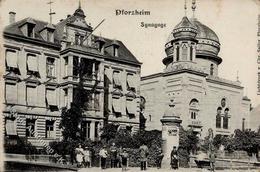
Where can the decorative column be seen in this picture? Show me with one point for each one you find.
(175, 53)
(194, 52)
(93, 70)
(170, 133)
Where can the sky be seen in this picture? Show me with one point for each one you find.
(234, 21)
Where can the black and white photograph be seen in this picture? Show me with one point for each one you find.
(130, 85)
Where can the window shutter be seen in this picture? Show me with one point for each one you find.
(116, 105)
(116, 79)
(131, 107)
(51, 97)
(32, 63)
(11, 93)
(10, 127)
(11, 59)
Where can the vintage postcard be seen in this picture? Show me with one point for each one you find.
(127, 85)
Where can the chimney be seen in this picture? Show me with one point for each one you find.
(11, 17)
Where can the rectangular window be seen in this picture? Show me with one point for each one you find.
(30, 31)
(77, 39)
(31, 96)
(66, 62)
(225, 122)
(184, 52)
(96, 102)
(177, 53)
(85, 127)
(191, 53)
(50, 36)
(75, 66)
(49, 130)
(30, 127)
(96, 129)
(50, 67)
(65, 97)
(218, 121)
(11, 93)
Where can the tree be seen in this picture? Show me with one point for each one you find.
(109, 131)
(71, 118)
(188, 140)
(246, 140)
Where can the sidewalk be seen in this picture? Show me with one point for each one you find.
(134, 169)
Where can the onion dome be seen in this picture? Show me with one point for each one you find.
(208, 42)
(185, 29)
(208, 45)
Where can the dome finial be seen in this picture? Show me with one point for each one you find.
(79, 4)
(238, 76)
(185, 7)
(193, 7)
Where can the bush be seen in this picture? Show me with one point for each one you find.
(19, 146)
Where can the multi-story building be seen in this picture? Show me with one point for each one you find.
(42, 65)
(190, 79)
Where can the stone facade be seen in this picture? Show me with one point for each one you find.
(42, 71)
(202, 99)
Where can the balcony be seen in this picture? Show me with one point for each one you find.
(88, 81)
(194, 123)
(223, 131)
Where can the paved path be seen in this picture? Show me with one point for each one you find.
(162, 170)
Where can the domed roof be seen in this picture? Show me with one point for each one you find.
(185, 29)
(204, 32)
(185, 23)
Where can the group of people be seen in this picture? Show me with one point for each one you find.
(83, 156)
(119, 157)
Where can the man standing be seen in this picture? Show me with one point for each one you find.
(103, 157)
(143, 156)
(159, 158)
(113, 155)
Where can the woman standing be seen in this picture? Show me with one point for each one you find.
(174, 158)
(79, 155)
